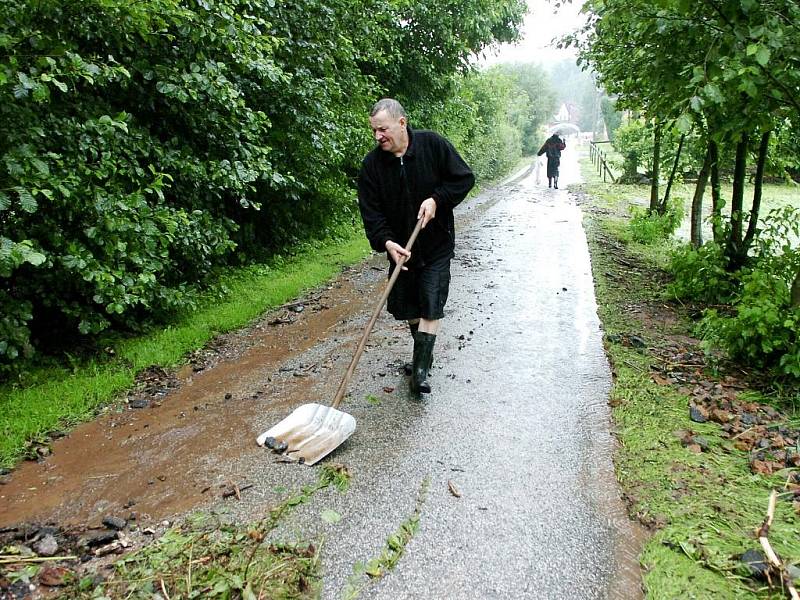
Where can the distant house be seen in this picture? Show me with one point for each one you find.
(568, 112)
(566, 119)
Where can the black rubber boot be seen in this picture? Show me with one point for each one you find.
(555, 183)
(408, 367)
(423, 353)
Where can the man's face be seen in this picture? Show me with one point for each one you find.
(389, 132)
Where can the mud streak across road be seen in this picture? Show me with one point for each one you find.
(518, 421)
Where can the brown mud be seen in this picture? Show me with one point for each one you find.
(171, 456)
(175, 455)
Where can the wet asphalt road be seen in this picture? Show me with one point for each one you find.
(518, 422)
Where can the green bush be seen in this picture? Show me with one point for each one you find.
(648, 227)
(753, 319)
(762, 327)
(776, 247)
(146, 145)
(699, 275)
(483, 117)
(634, 142)
(139, 140)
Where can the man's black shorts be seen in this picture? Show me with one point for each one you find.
(421, 292)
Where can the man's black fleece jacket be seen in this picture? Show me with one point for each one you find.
(391, 189)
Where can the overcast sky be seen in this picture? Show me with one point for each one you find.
(542, 24)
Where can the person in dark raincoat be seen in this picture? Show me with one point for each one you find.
(552, 148)
(413, 174)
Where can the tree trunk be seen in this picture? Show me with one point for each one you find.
(758, 184)
(716, 196)
(696, 220)
(665, 203)
(654, 204)
(733, 246)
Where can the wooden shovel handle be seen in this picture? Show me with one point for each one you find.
(337, 399)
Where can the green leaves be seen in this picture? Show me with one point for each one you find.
(147, 145)
(737, 57)
(761, 53)
(748, 5)
(684, 123)
(26, 200)
(14, 254)
(330, 516)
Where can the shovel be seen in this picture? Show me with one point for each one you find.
(314, 430)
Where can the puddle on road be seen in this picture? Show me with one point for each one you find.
(172, 457)
(598, 477)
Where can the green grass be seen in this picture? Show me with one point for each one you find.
(773, 196)
(56, 398)
(208, 556)
(707, 505)
(366, 572)
(704, 507)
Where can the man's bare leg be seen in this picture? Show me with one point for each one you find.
(429, 326)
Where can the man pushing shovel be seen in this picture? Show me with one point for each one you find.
(412, 175)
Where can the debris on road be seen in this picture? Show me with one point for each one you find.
(453, 489)
(236, 490)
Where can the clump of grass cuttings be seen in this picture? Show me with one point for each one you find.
(207, 558)
(392, 552)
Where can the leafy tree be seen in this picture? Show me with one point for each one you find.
(144, 145)
(541, 101)
(419, 44)
(728, 71)
(726, 67)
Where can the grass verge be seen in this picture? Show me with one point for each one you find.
(703, 501)
(52, 399)
(208, 558)
(622, 197)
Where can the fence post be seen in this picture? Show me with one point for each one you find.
(610, 174)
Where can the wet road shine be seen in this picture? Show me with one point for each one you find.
(518, 424)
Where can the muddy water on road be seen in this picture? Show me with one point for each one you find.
(175, 455)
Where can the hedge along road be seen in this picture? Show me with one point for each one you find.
(513, 447)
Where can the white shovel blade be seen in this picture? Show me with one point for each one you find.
(312, 431)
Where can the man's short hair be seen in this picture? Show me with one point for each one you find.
(392, 107)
